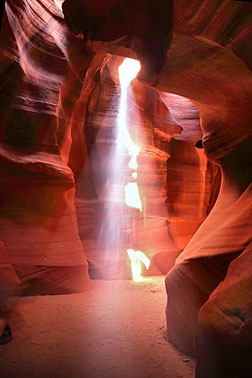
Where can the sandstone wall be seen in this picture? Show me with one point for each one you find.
(209, 62)
(39, 61)
(169, 217)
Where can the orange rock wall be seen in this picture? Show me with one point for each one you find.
(59, 116)
(38, 221)
(207, 60)
(59, 110)
(172, 209)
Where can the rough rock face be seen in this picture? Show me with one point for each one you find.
(209, 62)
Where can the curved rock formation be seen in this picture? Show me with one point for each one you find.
(161, 235)
(209, 62)
(103, 205)
(54, 86)
(38, 220)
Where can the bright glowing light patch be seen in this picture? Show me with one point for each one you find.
(59, 4)
(133, 161)
(132, 195)
(128, 70)
(136, 258)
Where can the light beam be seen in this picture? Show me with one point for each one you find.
(127, 72)
(136, 258)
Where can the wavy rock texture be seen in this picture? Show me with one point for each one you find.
(107, 226)
(105, 222)
(38, 220)
(209, 62)
(54, 86)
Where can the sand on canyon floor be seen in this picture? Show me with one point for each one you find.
(115, 329)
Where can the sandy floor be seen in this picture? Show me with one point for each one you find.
(116, 329)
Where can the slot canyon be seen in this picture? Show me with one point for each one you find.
(126, 194)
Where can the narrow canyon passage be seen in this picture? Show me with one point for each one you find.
(115, 329)
(98, 173)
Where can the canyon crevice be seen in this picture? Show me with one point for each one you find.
(63, 209)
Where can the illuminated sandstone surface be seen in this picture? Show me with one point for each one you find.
(209, 62)
(63, 207)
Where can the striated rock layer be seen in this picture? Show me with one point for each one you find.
(60, 108)
(53, 85)
(107, 226)
(209, 62)
(38, 220)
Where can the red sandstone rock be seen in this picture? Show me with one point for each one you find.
(113, 223)
(224, 325)
(38, 218)
(50, 89)
(9, 283)
(94, 182)
(209, 62)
